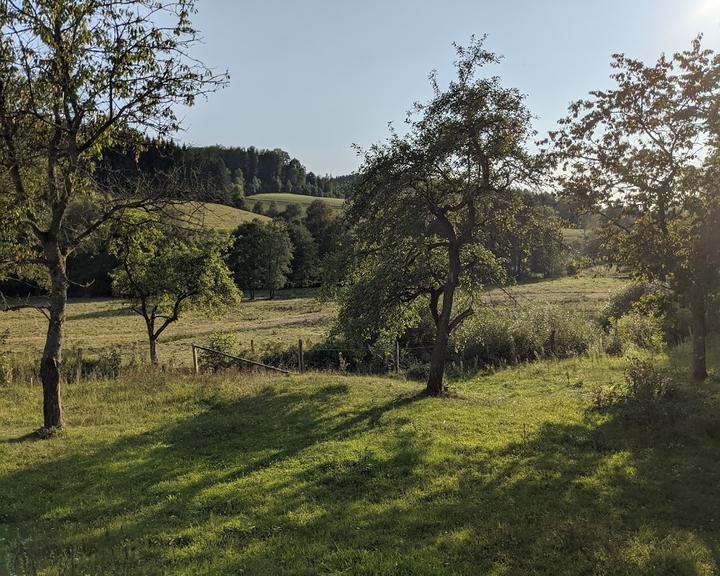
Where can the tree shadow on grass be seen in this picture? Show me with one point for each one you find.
(293, 483)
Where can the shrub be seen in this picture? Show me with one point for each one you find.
(643, 396)
(106, 365)
(622, 301)
(520, 334)
(635, 331)
(226, 343)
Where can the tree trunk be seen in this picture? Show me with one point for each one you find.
(437, 364)
(699, 367)
(443, 325)
(152, 340)
(52, 353)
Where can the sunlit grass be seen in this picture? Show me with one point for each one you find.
(514, 473)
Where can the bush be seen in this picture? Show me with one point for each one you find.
(622, 301)
(511, 335)
(226, 343)
(635, 331)
(643, 396)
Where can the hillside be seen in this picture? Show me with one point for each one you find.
(282, 200)
(515, 473)
(216, 216)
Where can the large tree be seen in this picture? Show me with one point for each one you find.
(642, 154)
(74, 76)
(432, 208)
(163, 273)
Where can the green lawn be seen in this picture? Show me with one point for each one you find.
(332, 474)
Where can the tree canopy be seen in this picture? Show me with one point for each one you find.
(433, 207)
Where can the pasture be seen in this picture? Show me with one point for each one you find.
(97, 325)
(215, 216)
(513, 473)
(283, 200)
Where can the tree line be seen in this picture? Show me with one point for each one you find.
(224, 175)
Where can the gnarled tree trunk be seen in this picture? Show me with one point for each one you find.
(52, 353)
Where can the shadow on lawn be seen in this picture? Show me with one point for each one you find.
(246, 486)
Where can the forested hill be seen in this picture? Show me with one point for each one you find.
(227, 175)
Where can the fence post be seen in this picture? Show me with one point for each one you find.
(196, 367)
(301, 357)
(397, 357)
(252, 346)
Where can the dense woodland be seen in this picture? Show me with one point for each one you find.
(220, 174)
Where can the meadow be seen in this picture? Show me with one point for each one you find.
(100, 324)
(282, 200)
(515, 472)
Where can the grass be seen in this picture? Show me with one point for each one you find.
(331, 474)
(96, 325)
(217, 216)
(282, 200)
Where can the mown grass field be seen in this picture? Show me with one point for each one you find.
(96, 325)
(515, 473)
(282, 200)
(216, 216)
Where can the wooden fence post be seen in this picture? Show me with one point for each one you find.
(78, 368)
(397, 357)
(196, 366)
(301, 357)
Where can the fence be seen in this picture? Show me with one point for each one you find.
(295, 360)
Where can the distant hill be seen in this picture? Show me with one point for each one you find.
(283, 200)
(217, 216)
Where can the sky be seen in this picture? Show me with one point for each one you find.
(314, 77)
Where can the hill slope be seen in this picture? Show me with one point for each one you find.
(282, 200)
(217, 216)
(303, 475)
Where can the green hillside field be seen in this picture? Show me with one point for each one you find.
(215, 216)
(282, 200)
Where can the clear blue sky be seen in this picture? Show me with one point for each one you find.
(315, 76)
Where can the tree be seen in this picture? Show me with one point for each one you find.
(644, 150)
(74, 75)
(260, 256)
(305, 262)
(432, 208)
(164, 273)
(324, 226)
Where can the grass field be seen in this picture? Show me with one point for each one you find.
(96, 325)
(217, 216)
(282, 200)
(513, 474)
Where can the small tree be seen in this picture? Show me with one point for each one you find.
(432, 209)
(164, 273)
(643, 155)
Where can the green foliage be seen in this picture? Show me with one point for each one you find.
(164, 273)
(635, 331)
(260, 256)
(512, 334)
(222, 342)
